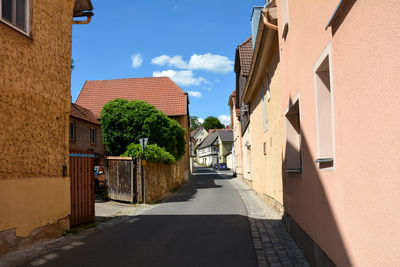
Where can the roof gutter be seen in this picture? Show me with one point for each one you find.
(266, 41)
(83, 8)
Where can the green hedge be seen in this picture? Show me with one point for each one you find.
(152, 153)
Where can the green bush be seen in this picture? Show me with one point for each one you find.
(151, 153)
(124, 122)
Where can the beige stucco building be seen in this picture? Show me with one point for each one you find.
(262, 94)
(35, 71)
(237, 136)
(340, 75)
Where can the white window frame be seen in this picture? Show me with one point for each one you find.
(326, 53)
(26, 32)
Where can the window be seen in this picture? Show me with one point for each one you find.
(93, 139)
(293, 139)
(285, 17)
(72, 130)
(264, 93)
(324, 110)
(16, 14)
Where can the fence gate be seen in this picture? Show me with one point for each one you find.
(82, 187)
(122, 181)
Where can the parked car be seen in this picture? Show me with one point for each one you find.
(220, 166)
(99, 177)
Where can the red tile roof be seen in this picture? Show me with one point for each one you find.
(82, 113)
(245, 56)
(160, 92)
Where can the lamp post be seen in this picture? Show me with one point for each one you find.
(143, 143)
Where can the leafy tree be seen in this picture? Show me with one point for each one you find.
(194, 123)
(124, 122)
(152, 153)
(212, 123)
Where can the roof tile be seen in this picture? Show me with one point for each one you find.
(245, 56)
(82, 113)
(160, 92)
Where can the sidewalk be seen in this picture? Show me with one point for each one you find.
(274, 246)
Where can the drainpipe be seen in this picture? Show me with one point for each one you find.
(88, 16)
(265, 19)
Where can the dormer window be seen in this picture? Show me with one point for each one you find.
(16, 13)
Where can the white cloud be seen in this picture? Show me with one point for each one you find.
(183, 77)
(200, 120)
(208, 62)
(225, 119)
(175, 61)
(195, 94)
(137, 60)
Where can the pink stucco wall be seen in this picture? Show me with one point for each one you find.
(351, 210)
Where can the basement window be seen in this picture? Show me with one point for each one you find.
(324, 110)
(16, 13)
(293, 139)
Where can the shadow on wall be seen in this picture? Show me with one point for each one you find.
(341, 14)
(308, 214)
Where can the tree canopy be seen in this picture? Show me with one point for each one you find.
(124, 122)
(194, 123)
(212, 123)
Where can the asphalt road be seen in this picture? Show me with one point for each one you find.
(203, 224)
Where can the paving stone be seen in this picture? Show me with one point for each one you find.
(273, 245)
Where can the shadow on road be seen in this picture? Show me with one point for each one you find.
(203, 178)
(162, 240)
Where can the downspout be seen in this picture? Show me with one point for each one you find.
(265, 18)
(88, 16)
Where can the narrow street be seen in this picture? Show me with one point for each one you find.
(204, 224)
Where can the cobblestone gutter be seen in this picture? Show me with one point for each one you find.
(273, 245)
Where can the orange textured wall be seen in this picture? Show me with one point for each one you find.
(34, 112)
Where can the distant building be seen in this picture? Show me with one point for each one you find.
(161, 92)
(85, 133)
(215, 147)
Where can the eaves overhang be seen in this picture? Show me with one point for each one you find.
(265, 44)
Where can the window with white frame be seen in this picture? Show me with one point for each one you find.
(93, 139)
(285, 17)
(16, 13)
(265, 92)
(293, 139)
(324, 109)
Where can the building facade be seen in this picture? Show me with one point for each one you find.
(237, 136)
(34, 116)
(243, 57)
(85, 133)
(339, 72)
(262, 94)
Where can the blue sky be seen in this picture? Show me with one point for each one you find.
(193, 42)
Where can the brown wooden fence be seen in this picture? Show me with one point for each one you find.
(124, 179)
(82, 187)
